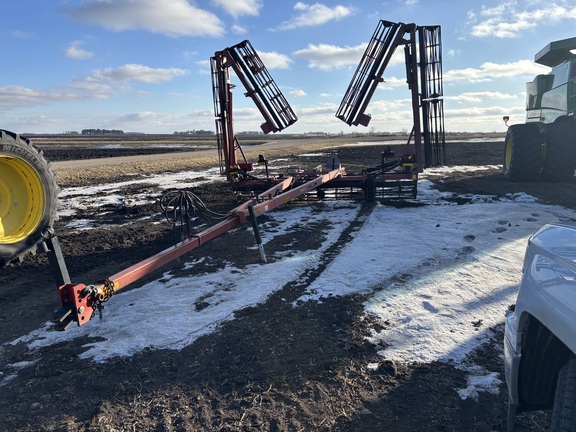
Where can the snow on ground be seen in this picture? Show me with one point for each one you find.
(400, 141)
(74, 198)
(437, 277)
(224, 292)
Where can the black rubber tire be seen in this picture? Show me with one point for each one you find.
(564, 410)
(28, 197)
(522, 152)
(560, 155)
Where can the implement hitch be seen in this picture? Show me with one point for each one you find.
(78, 304)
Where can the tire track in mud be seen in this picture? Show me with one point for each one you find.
(293, 290)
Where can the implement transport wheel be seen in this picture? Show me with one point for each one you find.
(522, 152)
(564, 409)
(28, 197)
(560, 150)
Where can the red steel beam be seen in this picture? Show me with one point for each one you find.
(85, 301)
(282, 199)
(236, 218)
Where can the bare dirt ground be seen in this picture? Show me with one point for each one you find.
(253, 374)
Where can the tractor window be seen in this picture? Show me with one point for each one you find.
(573, 70)
(560, 74)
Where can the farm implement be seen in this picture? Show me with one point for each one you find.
(394, 176)
(28, 192)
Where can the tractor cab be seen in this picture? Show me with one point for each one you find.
(550, 96)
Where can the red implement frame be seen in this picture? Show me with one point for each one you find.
(396, 176)
(260, 86)
(423, 56)
(80, 302)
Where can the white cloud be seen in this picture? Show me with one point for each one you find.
(479, 96)
(482, 118)
(136, 72)
(169, 17)
(324, 110)
(237, 8)
(102, 82)
(490, 71)
(494, 112)
(94, 86)
(297, 93)
(392, 107)
(21, 34)
(505, 21)
(75, 52)
(150, 118)
(204, 67)
(393, 81)
(326, 57)
(18, 96)
(236, 29)
(189, 55)
(315, 14)
(274, 60)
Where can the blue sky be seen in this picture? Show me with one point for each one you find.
(143, 65)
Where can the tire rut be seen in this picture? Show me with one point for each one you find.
(293, 290)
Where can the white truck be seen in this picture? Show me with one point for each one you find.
(540, 335)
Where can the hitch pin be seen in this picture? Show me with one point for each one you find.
(89, 290)
(97, 295)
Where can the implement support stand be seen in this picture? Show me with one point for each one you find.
(257, 232)
(51, 246)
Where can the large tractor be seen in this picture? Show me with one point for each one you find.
(544, 148)
(28, 197)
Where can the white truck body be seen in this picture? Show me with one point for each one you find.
(540, 333)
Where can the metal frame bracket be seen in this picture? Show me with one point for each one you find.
(78, 305)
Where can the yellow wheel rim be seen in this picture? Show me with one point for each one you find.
(22, 199)
(508, 155)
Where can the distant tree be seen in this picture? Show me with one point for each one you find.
(194, 132)
(249, 133)
(102, 132)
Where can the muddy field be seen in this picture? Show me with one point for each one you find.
(252, 374)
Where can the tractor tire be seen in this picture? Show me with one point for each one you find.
(564, 409)
(522, 152)
(28, 197)
(560, 151)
